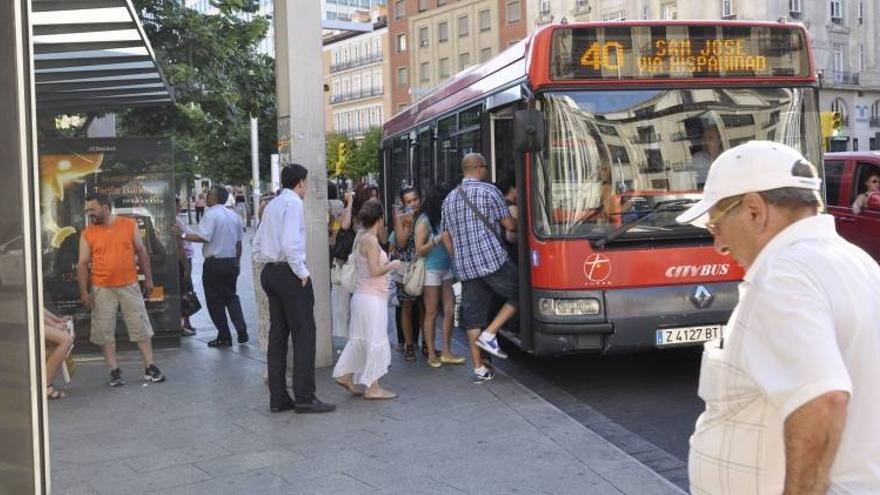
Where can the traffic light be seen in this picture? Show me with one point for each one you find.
(826, 119)
(342, 153)
(836, 122)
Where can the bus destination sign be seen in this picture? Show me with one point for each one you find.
(678, 52)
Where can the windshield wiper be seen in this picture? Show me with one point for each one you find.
(671, 205)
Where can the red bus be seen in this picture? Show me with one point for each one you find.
(608, 130)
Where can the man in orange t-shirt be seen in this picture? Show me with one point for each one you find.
(107, 251)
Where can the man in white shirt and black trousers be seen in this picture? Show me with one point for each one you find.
(280, 243)
(220, 230)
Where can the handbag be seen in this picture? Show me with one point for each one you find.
(189, 304)
(348, 277)
(344, 244)
(414, 280)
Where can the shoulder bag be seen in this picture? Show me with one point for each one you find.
(480, 215)
(348, 277)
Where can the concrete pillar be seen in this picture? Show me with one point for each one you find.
(24, 460)
(299, 73)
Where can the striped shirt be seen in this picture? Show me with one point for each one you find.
(478, 251)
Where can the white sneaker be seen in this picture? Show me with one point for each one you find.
(482, 375)
(489, 343)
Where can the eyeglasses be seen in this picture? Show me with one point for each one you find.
(712, 224)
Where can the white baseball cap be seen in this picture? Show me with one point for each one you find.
(754, 166)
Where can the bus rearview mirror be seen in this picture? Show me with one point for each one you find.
(528, 131)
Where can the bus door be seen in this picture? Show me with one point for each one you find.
(424, 158)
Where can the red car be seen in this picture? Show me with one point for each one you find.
(848, 176)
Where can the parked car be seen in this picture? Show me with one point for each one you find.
(11, 263)
(846, 177)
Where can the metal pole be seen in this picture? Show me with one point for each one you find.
(299, 73)
(255, 167)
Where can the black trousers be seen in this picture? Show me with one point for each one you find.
(219, 276)
(291, 314)
(200, 212)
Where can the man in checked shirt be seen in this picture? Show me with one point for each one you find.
(475, 217)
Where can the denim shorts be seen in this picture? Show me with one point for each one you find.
(479, 295)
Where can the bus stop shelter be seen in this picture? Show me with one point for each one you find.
(59, 57)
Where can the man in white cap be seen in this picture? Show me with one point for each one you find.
(792, 389)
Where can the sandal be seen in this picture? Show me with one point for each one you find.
(384, 395)
(410, 354)
(350, 387)
(220, 343)
(53, 393)
(451, 359)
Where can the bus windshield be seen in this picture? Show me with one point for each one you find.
(621, 165)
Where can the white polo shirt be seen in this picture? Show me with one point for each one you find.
(807, 323)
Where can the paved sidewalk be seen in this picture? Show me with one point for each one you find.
(208, 430)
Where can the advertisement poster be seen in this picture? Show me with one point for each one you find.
(138, 176)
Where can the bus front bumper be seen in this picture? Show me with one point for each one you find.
(630, 318)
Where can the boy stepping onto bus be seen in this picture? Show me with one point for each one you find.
(475, 217)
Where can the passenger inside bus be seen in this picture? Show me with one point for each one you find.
(712, 147)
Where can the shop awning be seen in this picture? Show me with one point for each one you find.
(93, 55)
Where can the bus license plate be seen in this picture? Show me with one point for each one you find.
(687, 335)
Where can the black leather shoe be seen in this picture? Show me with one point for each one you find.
(285, 407)
(243, 338)
(313, 407)
(220, 343)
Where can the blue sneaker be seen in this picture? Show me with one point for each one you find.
(489, 343)
(483, 375)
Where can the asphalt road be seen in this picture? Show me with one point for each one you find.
(645, 403)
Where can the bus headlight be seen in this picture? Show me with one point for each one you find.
(568, 307)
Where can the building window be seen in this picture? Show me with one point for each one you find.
(402, 76)
(669, 11)
(441, 2)
(861, 57)
(485, 20)
(580, 5)
(544, 8)
(423, 5)
(464, 60)
(399, 9)
(837, 57)
(464, 26)
(861, 11)
(794, 6)
(443, 68)
(424, 72)
(836, 11)
(423, 37)
(726, 8)
(400, 43)
(401, 107)
(485, 54)
(513, 14)
(443, 32)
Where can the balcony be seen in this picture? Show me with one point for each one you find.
(848, 78)
(874, 122)
(356, 62)
(356, 95)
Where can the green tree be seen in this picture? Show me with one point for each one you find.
(365, 158)
(220, 80)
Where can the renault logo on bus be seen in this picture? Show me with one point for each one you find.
(597, 268)
(702, 298)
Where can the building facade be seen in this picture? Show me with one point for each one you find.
(432, 40)
(845, 36)
(356, 78)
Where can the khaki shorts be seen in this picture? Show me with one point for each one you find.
(106, 301)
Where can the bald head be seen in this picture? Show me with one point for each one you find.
(473, 165)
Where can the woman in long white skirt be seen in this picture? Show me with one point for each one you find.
(367, 355)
